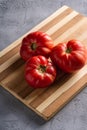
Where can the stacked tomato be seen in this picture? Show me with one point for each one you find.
(43, 58)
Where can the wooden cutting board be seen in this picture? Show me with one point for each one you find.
(63, 25)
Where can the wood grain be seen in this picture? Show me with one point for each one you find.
(63, 25)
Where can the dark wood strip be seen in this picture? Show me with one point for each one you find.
(34, 94)
(15, 78)
(17, 84)
(11, 69)
(25, 92)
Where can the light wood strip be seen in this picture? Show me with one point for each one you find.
(61, 90)
(68, 32)
(61, 101)
(62, 22)
(9, 62)
(85, 41)
(34, 95)
(10, 47)
(83, 36)
(67, 26)
(10, 54)
(79, 34)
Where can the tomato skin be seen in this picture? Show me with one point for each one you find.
(70, 56)
(39, 72)
(36, 43)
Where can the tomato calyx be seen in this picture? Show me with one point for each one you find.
(42, 68)
(68, 50)
(33, 46)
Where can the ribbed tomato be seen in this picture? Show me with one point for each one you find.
(36, 43)
(39, 72)
(70, 56)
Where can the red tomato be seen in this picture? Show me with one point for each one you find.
(36, 43)
(69, 56)
(39, 72)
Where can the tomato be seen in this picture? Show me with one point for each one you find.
(70, 56)
(39, 72)
(36, 43)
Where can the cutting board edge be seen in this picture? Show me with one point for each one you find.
(41, 115)
(38, 113)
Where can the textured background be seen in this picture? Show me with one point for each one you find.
(16, 18)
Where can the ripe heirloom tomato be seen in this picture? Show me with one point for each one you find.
(36, 43)
(69, 56)
(39, 72)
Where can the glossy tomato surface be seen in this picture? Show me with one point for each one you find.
(36, 43)
(39, 72)
(70, 56)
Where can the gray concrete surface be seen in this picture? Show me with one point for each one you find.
(16, 18)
